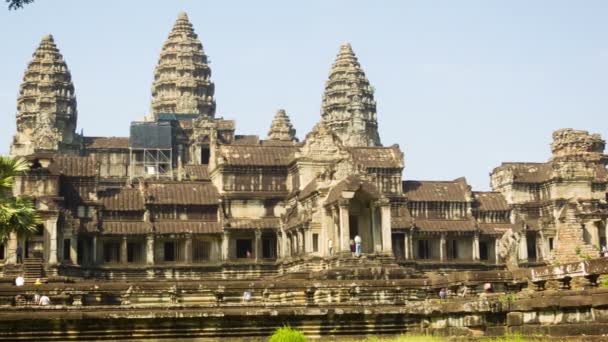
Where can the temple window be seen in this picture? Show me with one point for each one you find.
(315, 242)
(135, 252)
(205, 155)
(66, 249)
(111, 252)
(424, 251)
(483, 250)
(452, 249)
(2, 251)
(170, 251)
(201, 250)
(244, 248)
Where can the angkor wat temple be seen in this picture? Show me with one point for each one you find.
(184, 196)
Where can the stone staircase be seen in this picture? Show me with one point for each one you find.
(571, 245)
(33, 268)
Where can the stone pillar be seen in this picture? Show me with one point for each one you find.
(51, 227)
(497, 250)
(344, 227)
(376, 230)
(258, 245)
(406, 245)
(279, 245)
(301, 245)
(74, 248)
(11, 249)
(94, 250)
(308, 241)
(385, 212)
(284, 245)
(442, 248)
(188, 249)
(150, 249)
(226, 246)
(123, 250)
(475, 246)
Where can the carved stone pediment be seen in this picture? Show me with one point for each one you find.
(322, 145)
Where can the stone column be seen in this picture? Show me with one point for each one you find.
(406, 245)
(226, 246)
(301, 246)
(74, 248)
(279, 245)
(376, 238)
(258, 245)
(284, 245)
(308, 241)
(123, 250)
(497, 250)
(442, 248)
(344, 227)
(188, 249)
(150, 249)
(94, 250)
(11, 249)
(475, 251)
(385, 212)
(51, 227)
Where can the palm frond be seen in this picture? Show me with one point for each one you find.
(9, 169)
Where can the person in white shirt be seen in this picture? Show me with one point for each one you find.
(44, 301)
(357, 245)
(19, 281)
(330, 247)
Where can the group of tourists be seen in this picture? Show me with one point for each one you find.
(38, 299)
(355, 246)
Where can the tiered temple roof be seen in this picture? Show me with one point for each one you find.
(46, 105)
(281, 128)
(182, 83)
(349, 108)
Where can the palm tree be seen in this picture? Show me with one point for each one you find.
(17, 214)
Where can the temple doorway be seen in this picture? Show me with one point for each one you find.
(360, 222)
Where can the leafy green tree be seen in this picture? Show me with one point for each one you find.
(16, 4)
(17, 214)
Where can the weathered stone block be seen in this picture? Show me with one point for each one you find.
(515, 319)
(474, 320)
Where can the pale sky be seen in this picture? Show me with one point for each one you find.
(461, 86)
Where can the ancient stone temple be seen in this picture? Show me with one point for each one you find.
(185, 196)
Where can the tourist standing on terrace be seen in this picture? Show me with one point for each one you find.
(357, 245)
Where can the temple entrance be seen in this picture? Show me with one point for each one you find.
(531, 246)
(360, 223)
(398, 246)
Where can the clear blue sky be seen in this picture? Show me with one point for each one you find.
(461, 85)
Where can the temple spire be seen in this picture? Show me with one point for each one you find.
(182, 78)
(281, 128)
(46, 106)
(349, 108)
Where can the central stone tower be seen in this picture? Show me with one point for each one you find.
(349, 108)
(182, 78)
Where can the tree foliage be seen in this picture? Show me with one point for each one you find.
(287, 334)
(17, 214)
(17, 4)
